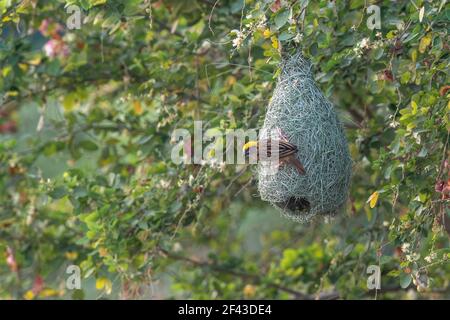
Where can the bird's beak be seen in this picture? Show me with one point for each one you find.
(249, 146)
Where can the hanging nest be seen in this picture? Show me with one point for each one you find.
(307, 119)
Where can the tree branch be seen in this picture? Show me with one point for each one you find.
(251, 277)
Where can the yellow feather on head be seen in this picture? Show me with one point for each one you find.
(249, 145)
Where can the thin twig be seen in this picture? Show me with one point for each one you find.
(210, 16)
(250, 277)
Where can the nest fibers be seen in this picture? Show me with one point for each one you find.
(307, 119)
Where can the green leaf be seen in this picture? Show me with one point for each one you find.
(378, 53)
(88, 145)
(423, 152)
(281, 18)
(159, 167)
(391, 34)
(58, 192)
(348, 249)
(386, 259)
(85, 4)
(80, 192)
(285, 36)
(78, 294)
(237, 6)
(239, 89)
(394, 273)
(405, 280)
(52, 147)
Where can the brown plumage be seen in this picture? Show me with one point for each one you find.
(286, 152)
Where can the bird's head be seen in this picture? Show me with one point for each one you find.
(251, 145)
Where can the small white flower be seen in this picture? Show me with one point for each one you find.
(360, 46)
(377, 44)
(206, 45)
(400, 26)
(177, 247)
(239, 37)
(394, 124)
(164, 184)
(364, 43)
(191, 180)
(213, 162)
(237, 42)
(413, 257)
(431, 257)
(358, 52)
(405, 247)
(418, 139)
(298, 38)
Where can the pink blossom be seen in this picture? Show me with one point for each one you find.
(11, 260)
(38, 284)
(56, 47)
(50, 29)
(43, 28)
(439, 186)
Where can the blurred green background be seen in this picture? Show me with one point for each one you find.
(86, 118)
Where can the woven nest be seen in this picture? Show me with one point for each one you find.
(300, 111)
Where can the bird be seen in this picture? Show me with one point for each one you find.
(286, 152)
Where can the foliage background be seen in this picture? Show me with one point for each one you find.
(85, 142)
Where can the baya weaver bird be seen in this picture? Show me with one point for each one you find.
(286, 151)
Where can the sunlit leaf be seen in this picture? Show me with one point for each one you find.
(373, 199)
